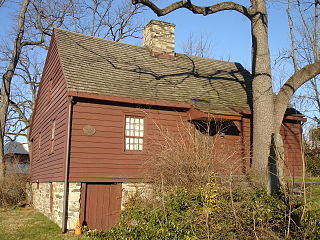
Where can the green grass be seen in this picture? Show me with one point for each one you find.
(26, 223)
(300, 179)
(315, 198)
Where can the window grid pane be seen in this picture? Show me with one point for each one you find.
(134, 133)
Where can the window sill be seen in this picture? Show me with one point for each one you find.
(136, 152)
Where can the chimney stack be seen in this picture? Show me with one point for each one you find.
(159, 37)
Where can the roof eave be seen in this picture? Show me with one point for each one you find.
(128, 100)
(196, 114)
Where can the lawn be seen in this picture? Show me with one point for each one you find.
(300, 179)
(26, 223)
(315, 198)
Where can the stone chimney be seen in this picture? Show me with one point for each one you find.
(158, 37)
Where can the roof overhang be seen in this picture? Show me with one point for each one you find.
(128, 100)
(196, 114)
(286, 117)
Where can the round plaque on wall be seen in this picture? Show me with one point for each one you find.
(89, 130)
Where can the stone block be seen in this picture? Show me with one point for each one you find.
(42, 201)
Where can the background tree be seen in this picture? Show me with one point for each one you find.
(34, 25)
(303, 19)
(268, 109)
(198, 46)
(8, 75)
(108, 19)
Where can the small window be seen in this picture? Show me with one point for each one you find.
(53, 129)
(134, 131)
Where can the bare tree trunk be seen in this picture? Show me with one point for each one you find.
(262, 94)
(276, 163)
(6, 80)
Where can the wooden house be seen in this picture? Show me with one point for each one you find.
(16, 156)
(96, 111)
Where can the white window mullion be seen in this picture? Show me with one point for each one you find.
(134, 133)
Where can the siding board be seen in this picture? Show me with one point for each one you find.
(102, 157)
(48, 167)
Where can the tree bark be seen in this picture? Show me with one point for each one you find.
(262, 94)
(276, 163)
(6, 81)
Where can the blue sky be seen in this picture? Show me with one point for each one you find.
(228, 31)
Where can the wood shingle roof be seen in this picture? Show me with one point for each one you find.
(100, 66)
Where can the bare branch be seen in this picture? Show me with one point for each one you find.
(19, 111)
(2, 2)
(196, 9)
(294, 82)
(293, 47)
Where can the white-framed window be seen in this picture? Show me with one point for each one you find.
(134, 133)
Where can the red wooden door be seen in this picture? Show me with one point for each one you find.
(102, 205)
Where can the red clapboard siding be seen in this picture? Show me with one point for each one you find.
(47, 166)
(101, 157)
(291, 134)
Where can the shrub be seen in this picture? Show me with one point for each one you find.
(312, 158)
(185, 158)
(313, 164)
(13, 189)
(311, 226)
(214, 213)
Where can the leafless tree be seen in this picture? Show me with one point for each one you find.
(23, 96)
(268, 108)
(34, 24)
(8, 75)
(107, 19)
(201, 46)
(110, 19)
(304, 32)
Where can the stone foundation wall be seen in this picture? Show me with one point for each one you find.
(48, 199)
(131, 189)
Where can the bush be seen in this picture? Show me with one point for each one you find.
(184, 158)
(313, 164)
(13, 189)
(214, 213)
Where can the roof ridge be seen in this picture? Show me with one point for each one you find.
(208, 58)
(98, 38)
